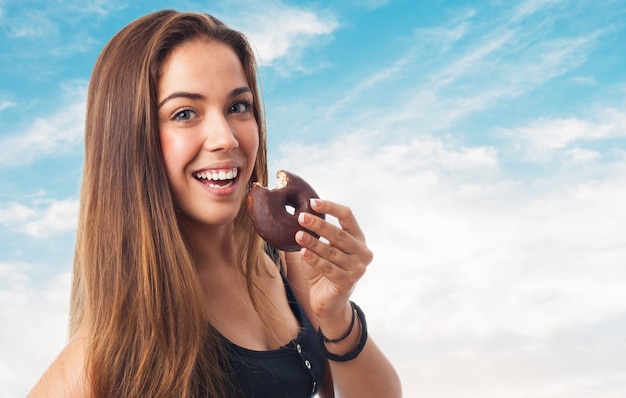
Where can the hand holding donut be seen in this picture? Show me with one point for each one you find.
(335, 267)
(331, 269)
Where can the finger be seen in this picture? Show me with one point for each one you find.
(336, 236)
(321, 250)
(342, 213)
(341, 272)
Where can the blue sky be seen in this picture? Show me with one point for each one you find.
(481, 145)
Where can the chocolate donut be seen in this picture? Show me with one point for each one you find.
(267, 209)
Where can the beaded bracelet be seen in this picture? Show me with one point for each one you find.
(357, 350)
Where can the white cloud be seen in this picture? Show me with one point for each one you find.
(44, 21)
(479, 277)
(34, 320)
(542, 138)
(585, 80)
(81, 43)
(12, 213)
(98, 7)
(462, 69)
(57, 217)
(370, 82)
(504, 281)
(528, 7)
(6, 104)
(501, 67)
(279, 31)
(34, 24)
(551, 134)
(578, 155)
(371, 5)
(45, 218)
(57, 134)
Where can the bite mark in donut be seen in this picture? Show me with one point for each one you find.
(268, 209)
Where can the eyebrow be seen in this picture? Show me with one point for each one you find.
(196, 96)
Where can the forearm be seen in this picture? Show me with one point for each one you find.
(369, 374)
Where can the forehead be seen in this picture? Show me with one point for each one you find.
(200, 63)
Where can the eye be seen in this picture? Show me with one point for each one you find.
(240, 107)
(184, 115)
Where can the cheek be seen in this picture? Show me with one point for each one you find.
(250, 144)
(173, 150)
(166, 147)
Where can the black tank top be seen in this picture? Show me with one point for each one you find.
(294, 370)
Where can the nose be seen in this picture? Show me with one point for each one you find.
(219, 135)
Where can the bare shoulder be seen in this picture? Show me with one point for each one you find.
(66, 375)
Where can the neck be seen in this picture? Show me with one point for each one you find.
(211, 246)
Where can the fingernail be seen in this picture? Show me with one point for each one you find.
(315, 202)
(302, 237)
(304, 218)
(305, 252)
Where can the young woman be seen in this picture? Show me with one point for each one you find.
(174, 294)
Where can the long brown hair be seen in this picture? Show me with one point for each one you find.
(135, 288)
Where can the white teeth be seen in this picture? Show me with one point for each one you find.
(217, 175)
(220, 186)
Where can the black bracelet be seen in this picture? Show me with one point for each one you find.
(357, 350)
(325, 339)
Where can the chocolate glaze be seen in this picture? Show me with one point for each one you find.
(267, 210)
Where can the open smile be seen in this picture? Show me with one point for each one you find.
(219, 178)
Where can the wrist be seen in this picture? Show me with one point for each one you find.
(330, 340)
(339, 328)
(348, 346)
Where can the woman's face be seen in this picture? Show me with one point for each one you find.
(209, 136)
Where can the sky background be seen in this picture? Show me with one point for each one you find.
(480, 144)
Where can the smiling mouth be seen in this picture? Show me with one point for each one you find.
(221, 178)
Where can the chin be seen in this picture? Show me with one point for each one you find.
(214, 218)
